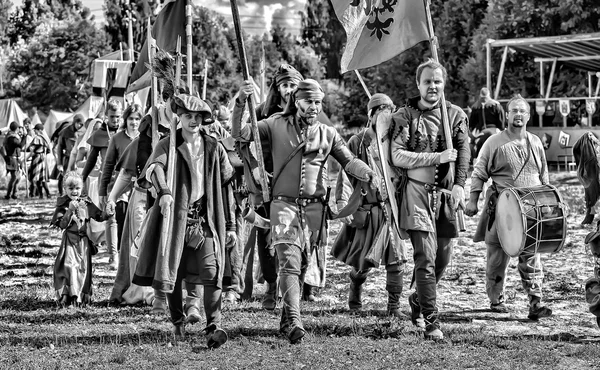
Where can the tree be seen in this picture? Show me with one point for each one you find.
(54, 64)
(24, 22)
(5, 6)
(323, 32)
(115, 13)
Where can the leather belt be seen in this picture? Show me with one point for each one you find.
(299, 201)
(430, 187)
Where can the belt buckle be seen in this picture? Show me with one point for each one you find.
(429, 187)
(301, 202)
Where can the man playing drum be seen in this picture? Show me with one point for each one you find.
(511, 158)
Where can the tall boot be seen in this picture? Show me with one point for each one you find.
(432, 326)
(215, 336)
(357, 279)
(270, 300)
(45, 185)
(192, 303)
(290, 290)
(159, 305)
(395, 279)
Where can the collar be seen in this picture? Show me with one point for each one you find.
(413, 103)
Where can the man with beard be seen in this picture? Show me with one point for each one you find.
(511, 158)
(285, 82)
(427, 209)
(64, 146)
(299, 145)
(357, 238)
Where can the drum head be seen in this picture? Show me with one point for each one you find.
(510, 223)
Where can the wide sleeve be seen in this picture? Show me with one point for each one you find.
(242, 131)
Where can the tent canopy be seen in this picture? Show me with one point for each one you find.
(10, 111)
(89, 109)
(580, 51)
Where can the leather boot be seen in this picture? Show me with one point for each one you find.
(357, 280)
(393, 306)
(432, 326)
(270, 299)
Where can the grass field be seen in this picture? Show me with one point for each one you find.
(36, 334)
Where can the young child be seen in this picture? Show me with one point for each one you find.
(73, 265)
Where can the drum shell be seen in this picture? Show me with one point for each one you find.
(541, 213)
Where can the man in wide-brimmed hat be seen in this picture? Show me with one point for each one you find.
(299, 145)
(202, 224)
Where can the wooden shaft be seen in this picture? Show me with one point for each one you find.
(188, 34)
(362, 82)
(251, 106)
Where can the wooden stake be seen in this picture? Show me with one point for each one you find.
(172, 161)
(188, 33)
(262, 178)
(153, 84)
(433, 44)
(362, 82)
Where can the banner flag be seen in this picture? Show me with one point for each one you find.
(169, 25)
(378, 30)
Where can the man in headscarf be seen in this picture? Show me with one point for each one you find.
(300, 146)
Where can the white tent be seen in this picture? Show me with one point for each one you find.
(9, 112)
(89, 109)
(53, 119)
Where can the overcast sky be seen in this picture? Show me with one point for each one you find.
(257, 16)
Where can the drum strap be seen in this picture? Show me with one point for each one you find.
(529, 152)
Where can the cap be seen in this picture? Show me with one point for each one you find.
(485, 93)
(379, 99)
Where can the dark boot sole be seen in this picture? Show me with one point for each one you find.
(217, 339)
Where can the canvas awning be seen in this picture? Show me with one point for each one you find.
(580, 51)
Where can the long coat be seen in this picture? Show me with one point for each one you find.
(160, 270)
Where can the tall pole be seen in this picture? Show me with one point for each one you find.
(263, 73)
(130, 30)
(205, 79)
(362, 82)
(433, 45)
(188, 34)
(262, 178)
(153, 84)
(172, 160)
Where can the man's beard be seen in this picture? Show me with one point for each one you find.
(306, 120)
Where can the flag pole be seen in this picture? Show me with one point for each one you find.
(205, 79)
(263, 72)
(172, 160)
(433, 45)
(130, 30)
(154, 85)
(188, 33)
(362, 82)
(262, 178)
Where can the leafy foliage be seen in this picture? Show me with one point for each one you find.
(116, 15)
(55, 64)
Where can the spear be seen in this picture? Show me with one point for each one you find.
(172, 161)
(188, 33)
(433, 45)
(154, 86)
(262, 178)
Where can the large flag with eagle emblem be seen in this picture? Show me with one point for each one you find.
(378, 30)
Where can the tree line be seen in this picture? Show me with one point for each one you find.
(47, 48)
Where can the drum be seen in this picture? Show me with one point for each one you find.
(531, 220)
